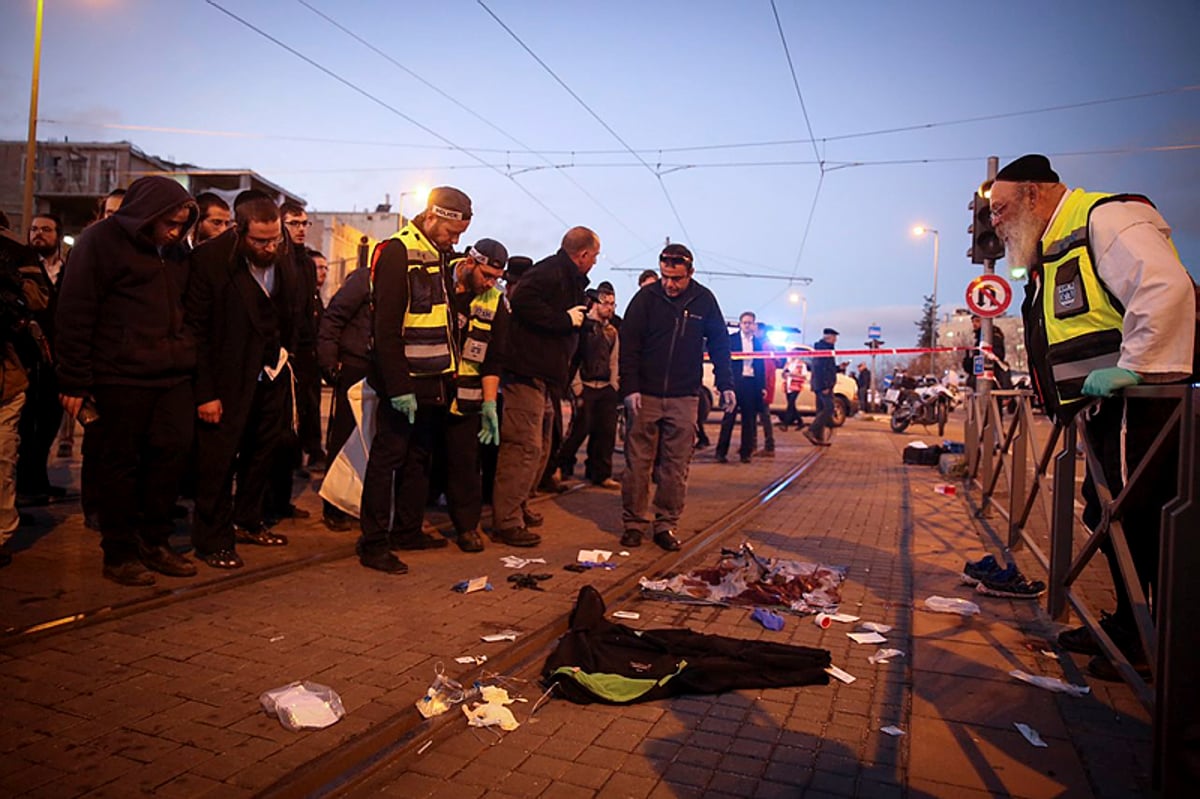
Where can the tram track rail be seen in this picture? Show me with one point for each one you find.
(375, 757)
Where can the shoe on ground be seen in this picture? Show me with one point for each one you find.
(1009, 583)
(223, 559)
(974, 571)
(383, 561)
(608, 483)
(165, 561)
(337, 524)
(470, 541)
(260, 535)
(517, 537)
(667, 540)
(816, 442)
(416, 541)
(1080, 640)
(130, 572)
(768, 453)
(744, 458)
(631, 538)
(532, 518)
(720, 458)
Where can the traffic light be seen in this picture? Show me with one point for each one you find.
(985, 243)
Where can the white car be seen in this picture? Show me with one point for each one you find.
(845, 393)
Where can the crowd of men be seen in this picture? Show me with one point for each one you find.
(189, 339)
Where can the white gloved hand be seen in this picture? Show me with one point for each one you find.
(633, 403)
(577, 314)
(729, 400)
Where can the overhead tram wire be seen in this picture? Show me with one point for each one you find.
(447, 96)
(359, 90)
(595, 116)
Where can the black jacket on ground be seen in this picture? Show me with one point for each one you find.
(681, 661)
(237, 328)
(345, 333)
(120, 318)
(541, 340)
(663, 341)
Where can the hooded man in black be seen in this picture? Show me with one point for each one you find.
(122, 340)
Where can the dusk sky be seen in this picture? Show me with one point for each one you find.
(711, 76)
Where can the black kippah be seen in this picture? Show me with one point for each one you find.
(1029, 169)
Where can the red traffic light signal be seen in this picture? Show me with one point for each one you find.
(986, 244)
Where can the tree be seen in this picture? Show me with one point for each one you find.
(926, 326)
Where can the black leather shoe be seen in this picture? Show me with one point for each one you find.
(470, 541)
(721, 458)
(667, 540)
(164, 561)
(383, 561)
(631, 538)
(259, 535)
(131, 573)
(337, 525)
(517, 537)
(745, 458)
(532, 518)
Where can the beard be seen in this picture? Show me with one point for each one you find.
(1021, 239)
(43, 249)
(260, 259)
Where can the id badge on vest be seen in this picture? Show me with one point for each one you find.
(1070, 298)
(475, 350)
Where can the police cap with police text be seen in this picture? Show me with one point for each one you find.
(447, 202)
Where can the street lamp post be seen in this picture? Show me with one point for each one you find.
(31, 143)
(921, 230)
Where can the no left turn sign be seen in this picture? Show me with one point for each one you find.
(989, 296)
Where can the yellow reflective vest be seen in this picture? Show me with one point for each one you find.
(1083, 320)
(427, 333)
(468, 394)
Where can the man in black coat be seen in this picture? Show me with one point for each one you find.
(749, 384)
(123, 342)
(824, 378)
(543, 332)
(244, 306)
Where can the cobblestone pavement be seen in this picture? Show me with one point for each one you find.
(165, 700)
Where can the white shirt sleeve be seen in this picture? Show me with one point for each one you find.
(1134, 257)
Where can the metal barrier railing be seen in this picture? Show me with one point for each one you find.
(1004, 458)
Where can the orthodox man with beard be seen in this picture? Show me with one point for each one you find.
(1108, 305)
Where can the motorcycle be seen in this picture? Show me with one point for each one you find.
(924, 405)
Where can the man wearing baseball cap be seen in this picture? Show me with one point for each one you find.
(824, 378)
(414, 362)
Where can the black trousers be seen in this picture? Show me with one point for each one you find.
(341, 423)
(308, 409)
(145, 439)
(456, 439)
(38, 427)
(1141, 518)
(749, 403)
(792, 416)
(245, 452)
(556, 433)
(824, 418)
(595, 419)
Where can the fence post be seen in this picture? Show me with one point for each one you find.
(1018, 473)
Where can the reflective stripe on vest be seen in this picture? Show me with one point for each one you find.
(1083, 321)
(468, 395)
(426, 330)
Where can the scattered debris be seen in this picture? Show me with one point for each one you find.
(1031, 735)
(946, 489)
(1050, 683)
(472, 660)
(942, 604)
(875, 627)
(624, 553)
(866, 638)
(840, 674)
(527, 580)
(891, 730)
(593, 556)
(503, 635)
(823, 620)
(768, 618)
(425, 746)
(276, 638)
(844, 618)
(492, 713)
(303, 705)
(625, 614)
(1049, 654)
(472, 585)
(513, 562)
(885, 656)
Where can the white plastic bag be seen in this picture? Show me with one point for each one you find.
(303, 705)
(952, 604)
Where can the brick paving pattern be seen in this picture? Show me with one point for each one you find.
(165, 701)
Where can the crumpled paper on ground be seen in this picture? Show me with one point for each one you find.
(1050, 683)
(492, 711)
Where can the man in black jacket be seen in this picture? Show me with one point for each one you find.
(594, 388)
(245, 308)
(122, 340)
(413, 362)
(666, 329)
(749, 384)
(343, 355)
(543, 333)
(824, 378)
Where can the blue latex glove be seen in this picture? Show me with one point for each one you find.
(407, 405)
(768, 618)
(489, 430)
(1103, 382)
